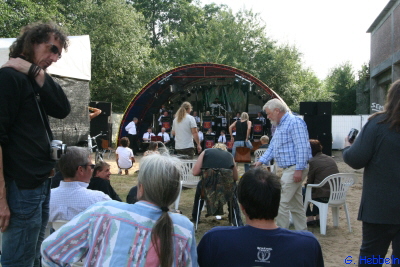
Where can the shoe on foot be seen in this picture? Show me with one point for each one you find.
(119, 172)
(126, 172)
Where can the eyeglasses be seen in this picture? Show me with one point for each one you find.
(87, 165)
(54, 49)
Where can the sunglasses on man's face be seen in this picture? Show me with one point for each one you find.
(54, 49)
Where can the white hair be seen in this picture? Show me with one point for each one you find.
(276, 103)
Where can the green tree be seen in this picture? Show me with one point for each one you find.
(341, 81)
(240, 40)
(164, 16)
(15, 14)
(120, 48)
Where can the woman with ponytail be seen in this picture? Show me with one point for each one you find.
(184, 128)
(119, 234)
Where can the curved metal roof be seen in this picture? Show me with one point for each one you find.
(194, 83)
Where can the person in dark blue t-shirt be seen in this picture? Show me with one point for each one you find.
(260, 242)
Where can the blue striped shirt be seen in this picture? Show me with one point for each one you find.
(113, 233)
(290, 144)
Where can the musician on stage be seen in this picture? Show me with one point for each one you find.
(196, 117)
(164, 135)
(261, 118)
(237, 118)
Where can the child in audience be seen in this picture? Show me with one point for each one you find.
(124, 156)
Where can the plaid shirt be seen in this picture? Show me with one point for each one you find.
(290, 144)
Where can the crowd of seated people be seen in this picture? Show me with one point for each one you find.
(158, 187)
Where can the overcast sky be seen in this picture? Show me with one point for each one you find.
(328, 33)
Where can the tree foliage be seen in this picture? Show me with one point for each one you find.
(120, 49)
(133, 41)
(164, 16)
(15, 14)
(341, 81)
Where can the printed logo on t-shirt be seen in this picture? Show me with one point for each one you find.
(263, 254)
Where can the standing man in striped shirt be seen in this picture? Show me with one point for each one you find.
(291, 150)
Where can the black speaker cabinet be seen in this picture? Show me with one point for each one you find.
(320, 128)
(308, 108)
(316, 108)
(99, 124)
(324, 108)
(326, 141)
(106, 108)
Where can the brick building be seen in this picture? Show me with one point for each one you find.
(385, 53)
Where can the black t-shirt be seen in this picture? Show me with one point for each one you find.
(241, 131)
(104, 186)
(23, 138)
(217, 158)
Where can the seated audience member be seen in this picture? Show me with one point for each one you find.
(119, 234)
(321, 166)
(222, 137)
(101, 180)
(264, 141)
(261, 242)
(164, 135)
(124, 156)
(147, 135)
(131, 197)
(214, 158)
(153, 149)
(72, 196)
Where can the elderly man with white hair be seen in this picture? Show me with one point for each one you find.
(291, 150)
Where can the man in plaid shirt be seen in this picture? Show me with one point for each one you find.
(291, 150)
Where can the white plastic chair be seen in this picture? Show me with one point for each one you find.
(339, 185)
(188, 179)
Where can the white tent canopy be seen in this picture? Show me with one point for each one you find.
(73, 64)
